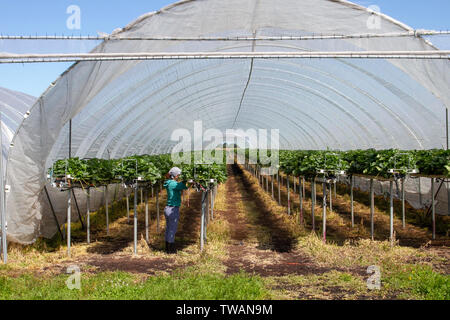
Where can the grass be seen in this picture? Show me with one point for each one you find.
(418, 282)
(125, 286)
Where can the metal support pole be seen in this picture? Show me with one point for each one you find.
(403, 204)
(88, 216)
(391, 229)
(146, 215)
(207, 207)
(107, 210)
(335, 191)
(315, 191)
(304, 187)
(53, 212)
(313, 200)
(271, 182)
(142, 196)
(324, 227)
(351, 200)
(300, 194)
(202, 226)
(267, 183)
(331, 197)
(288, 194)
(212, 204)
(279, 190)
(135, 218)
(433, 209)
(128, 207)
(69, 216)
(372, 209)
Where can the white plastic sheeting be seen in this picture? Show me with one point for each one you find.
(132, 107)
(58, 199)
(13, 106)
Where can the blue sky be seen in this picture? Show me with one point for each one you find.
(25, 17)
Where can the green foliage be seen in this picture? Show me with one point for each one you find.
(131, 168)
(306, 163)
(434, 162)
(149, 168)
(365, 162)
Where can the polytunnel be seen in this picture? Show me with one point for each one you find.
(14, 107)
(121, 108)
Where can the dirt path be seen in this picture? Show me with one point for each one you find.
(261, 243)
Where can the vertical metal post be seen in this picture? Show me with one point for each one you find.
(335, 191)
(267, 183)
(279, 190)
(146, 215)
(4, 243)
(315, 191)
(433, 209)
(142, 196)
(304, 187)
(313, 200)
(391, 229)
(88, 215)
(403, 204)
(324, 227)
(135, 216)
(107, 210)
(300, 194)
(372, 210)
(69, 216)
(271, 182)
(212, 204)
(351, 200)
(288, 194)
(202, 223)
(157, 209)
(69, 201)
(207, 207)
(128, 206)
(331, 197)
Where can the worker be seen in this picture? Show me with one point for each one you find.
(172, 210)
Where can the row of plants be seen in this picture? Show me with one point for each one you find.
(146, 168)
(369, 162)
